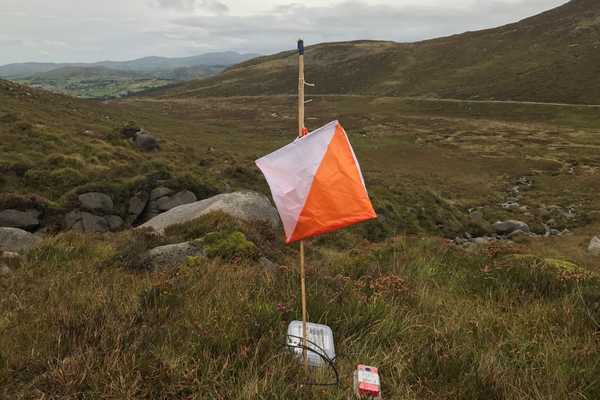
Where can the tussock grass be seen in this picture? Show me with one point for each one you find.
(439, 323)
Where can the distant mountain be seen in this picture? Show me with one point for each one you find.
(24, 70)
(551, 57)
(146, 64)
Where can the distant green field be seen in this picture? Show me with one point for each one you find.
(99, 88)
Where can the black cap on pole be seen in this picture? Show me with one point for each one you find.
(301, 47)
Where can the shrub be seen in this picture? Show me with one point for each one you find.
(229, 246)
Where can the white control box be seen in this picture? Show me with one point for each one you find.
(319, 335)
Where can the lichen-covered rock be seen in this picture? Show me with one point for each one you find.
(246, 206)
(27, 220)
(95, 201)
(172, 255)
(17, 240)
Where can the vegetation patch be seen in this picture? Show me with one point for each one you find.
(231, 246)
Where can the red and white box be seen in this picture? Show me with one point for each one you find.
(367, 384)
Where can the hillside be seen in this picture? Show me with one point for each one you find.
(551, 57)
(83, 315)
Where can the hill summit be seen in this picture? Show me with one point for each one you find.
(551, 57)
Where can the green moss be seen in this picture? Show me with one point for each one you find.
(228, 246)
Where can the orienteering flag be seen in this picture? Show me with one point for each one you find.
(317, 184)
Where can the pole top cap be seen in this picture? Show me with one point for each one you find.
(301, 46)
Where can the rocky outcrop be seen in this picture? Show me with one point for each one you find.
(170, 256)
(247, 206)
(27, 220)
(96, 214)
(594, 246)
(17, 240)
(83, 221)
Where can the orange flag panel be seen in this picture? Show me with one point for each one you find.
(317, 184)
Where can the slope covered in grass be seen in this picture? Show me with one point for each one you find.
(551, 57)
(79, 322)
(54, 147)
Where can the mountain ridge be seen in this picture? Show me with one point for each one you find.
(144, 64)
(550, 57)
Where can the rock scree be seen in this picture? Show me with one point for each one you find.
(247, 206)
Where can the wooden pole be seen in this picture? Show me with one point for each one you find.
(300, 134)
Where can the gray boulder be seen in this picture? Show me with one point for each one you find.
(16, 240)
(594, 246)
(170, 256)
(95, 201)
(114, 222)
(85, 222)
(146, 142)
(27, 220)
(510, 226)
(137, 205)
(168, 202)
(159, 192)
(247, 206)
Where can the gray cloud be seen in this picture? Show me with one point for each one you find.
(117, 29)
(351, 20)
(213, 6)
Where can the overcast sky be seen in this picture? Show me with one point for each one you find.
(94, 30)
